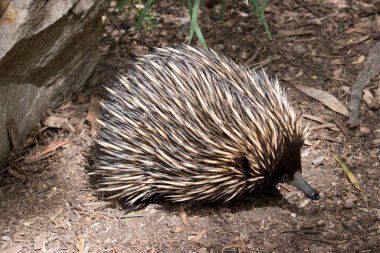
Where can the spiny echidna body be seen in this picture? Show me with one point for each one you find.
(190, 124)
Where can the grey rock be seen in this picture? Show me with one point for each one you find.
(48, 50)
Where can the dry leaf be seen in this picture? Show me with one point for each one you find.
(318, 161)
(375, 143)
(16, 174)
(349, 174)
(183, 215)
(80, 244)
(346, 89)
(28, 223)
(376, 100)
(325, 98)
(40, 242)
(337, 62)
(327, 125)
(269, 245)
(178, 229)
(294, 32)
(239, 245)
(305, 203)
(361, 27)
(338, 76)
(359, 60)
(55, 214)
(51, 147)
(93, 114)
(197, 237)
(367, 96)
(56, 122)
(203, 250)
(299, 74)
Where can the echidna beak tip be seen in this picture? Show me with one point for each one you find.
(315, 196)
(298, 181)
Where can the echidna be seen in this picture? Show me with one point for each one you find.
(190, 124)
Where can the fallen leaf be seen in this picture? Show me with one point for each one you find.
(28, 223)
(359, 60)
(183, 215)
(325, 98)
(56, 122)
(240, 246)
(294, 32)
(324, 122)
(305, 202)
(338, 62)
(338, 75)
(197, 237)
(318, 160)
(367, 96)
(376, 100)
(40, 242)
(55, 214)
(16, 174)
(361, 27)
(82, 99)
(375, 143)
(178, 229)
(93, 114)
(360, 40)
(327, 125)
(269, 245)
(203, 250)
(49, 148)
(80, 244)
(299, 74)
(365, 130)
(349, 174)
(346, 89)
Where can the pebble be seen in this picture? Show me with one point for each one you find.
(299, 49)
(5, 238)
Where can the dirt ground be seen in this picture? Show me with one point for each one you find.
(47, 203)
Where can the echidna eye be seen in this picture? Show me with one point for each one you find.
(285, 177)
(246, 167)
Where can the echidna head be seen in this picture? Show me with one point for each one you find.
(298, 181)
(290, 172)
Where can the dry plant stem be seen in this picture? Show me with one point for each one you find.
(370, 69)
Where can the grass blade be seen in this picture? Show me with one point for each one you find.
(142, 15)
(121, 4)
(194, 16)
(259, 10)
(223, 10)
(200, 36)
(349, 174)
(262, 10)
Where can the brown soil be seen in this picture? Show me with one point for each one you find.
(48, 205)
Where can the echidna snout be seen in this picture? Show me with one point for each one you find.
(300, 183)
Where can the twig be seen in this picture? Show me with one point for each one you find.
(253, 57)
(370, 69)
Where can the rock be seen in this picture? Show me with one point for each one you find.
(48, 50)
(299, 49)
